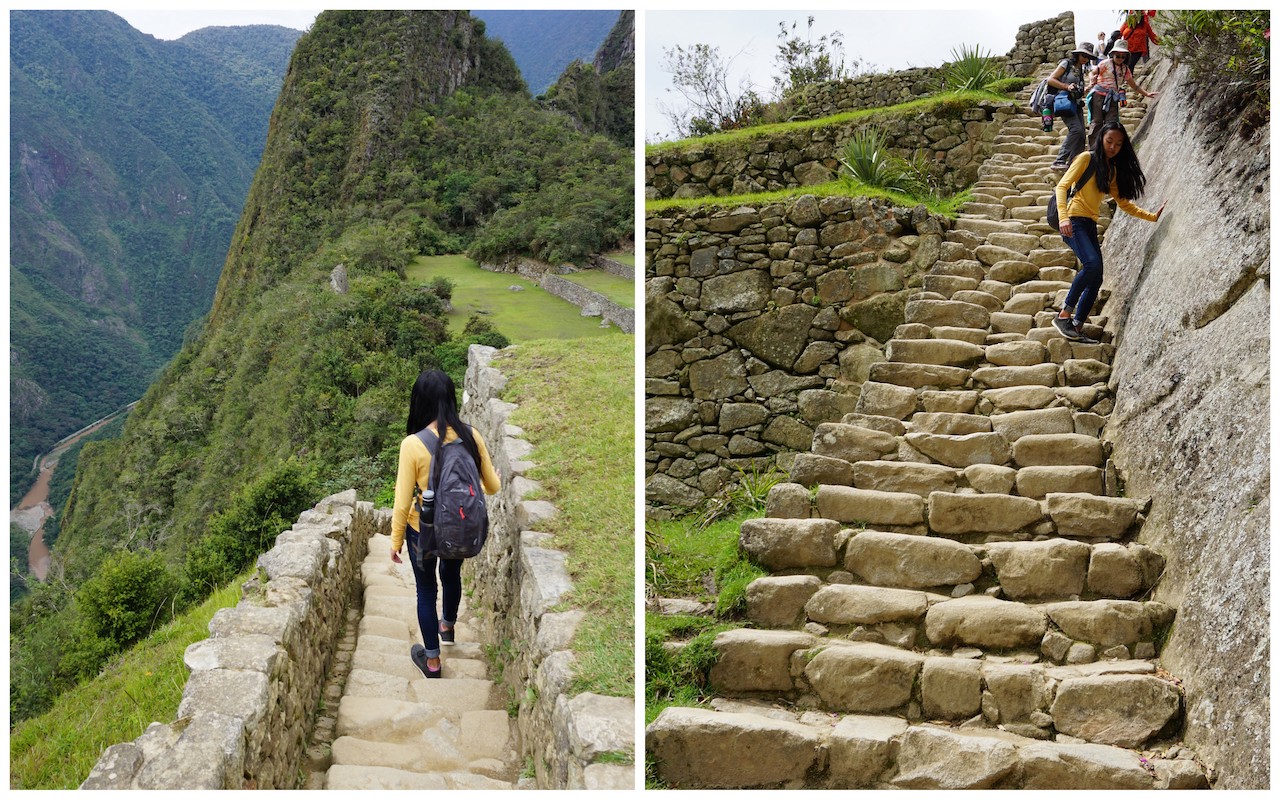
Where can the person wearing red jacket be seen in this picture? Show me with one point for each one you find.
(1138, 32)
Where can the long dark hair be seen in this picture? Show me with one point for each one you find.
(1130, 182)
(434, 399)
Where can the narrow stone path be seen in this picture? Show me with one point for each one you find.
(955, 597)
(395, 729)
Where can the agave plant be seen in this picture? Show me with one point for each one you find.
(970, 70)
(868, 161)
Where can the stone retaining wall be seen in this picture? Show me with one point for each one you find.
(1036, 43)
(955, 141)
(614, 267)
(761, 324)
(517, 580)
(591, 302)
(250, 701)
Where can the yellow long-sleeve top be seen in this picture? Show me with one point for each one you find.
(415, 470)
(1086, 202)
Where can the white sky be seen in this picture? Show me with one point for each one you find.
(890, 40)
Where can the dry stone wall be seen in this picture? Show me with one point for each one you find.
(955, 141)
(591, 302)
(1036, 43)
(249, 704)
(518, 579)
(762, 323)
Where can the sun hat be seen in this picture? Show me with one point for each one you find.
(1121, 46)
(1085, 49)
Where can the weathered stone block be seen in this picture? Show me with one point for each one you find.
(1057, 450)
(787, 501)
(1016, 424)
(1055, 568)
(851, 442)
(696, 748)
(1119, 710)
(864, 605)
(985, 513)
(847, 504)
(886, 399)
(1018, 690)
(901, 476)
(809, 469)
(936, 758)
(950, 424)
(1004, 377)
(861, 749)
(893, 559)
(1104, 622)
(779, 601)
(788, 543)
(1047, 765)
(1092, 515)
(951, 688)
(961, 451)
(1038, 482)
(982, 621)
(863, 677)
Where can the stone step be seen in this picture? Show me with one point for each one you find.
(701, 748)
(356, 777)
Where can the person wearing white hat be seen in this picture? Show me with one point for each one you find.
(1105, 95)
(1069, 77)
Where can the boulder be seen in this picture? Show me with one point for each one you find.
(861, 749)
(1092, 515)
(951, 688)
(1104, 622)
(1055, 568)
(864, 605)
(755, 661)
(983, 513)
(870, 507)
(1048, 765)
(936, 758)
(981, 621)
(778, 601)
(961, 451)
(808, 469)
(863, 677)
(903, 476)
(851, 442)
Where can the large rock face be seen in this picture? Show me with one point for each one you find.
(1190, 426)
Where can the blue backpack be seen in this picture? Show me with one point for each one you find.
(456, 523)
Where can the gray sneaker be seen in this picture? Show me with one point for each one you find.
(418, 655)
(1081, 338)
(1067, 328)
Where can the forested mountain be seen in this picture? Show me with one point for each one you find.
(543, 43)
(396, 133)
(600, 95)
(130, 158)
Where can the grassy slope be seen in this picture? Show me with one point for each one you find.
(58, 749)
(520, 316)
(576, 406)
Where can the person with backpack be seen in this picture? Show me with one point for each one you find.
(1069, 77)
(1105, 96)
(1137, 32)
(1111, 168)
(435, 438)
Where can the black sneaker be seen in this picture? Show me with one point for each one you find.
(1067, 328)
(446, 635)
(418, 655)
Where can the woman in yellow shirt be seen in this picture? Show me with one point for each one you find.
(432, 404)
(1118, 174)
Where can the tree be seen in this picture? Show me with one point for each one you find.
(804, 61)
(701, 77)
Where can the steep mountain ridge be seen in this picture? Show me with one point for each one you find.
(130, 160)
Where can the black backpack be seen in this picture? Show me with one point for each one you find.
(1051, 213)
(457, 523)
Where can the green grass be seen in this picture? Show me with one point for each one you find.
(520, 316)
(947, 207)
(576, 407)
(619, 290)
(678, 679)
(944, 101)
(627, 257)
(57, 749)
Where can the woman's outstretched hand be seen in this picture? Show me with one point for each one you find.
(1161, 209)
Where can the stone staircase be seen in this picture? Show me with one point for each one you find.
(955, 597)
(394, 728)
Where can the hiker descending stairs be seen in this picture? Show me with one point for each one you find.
(956, 599)
(394, 728)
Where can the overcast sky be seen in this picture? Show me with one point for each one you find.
(890, 40)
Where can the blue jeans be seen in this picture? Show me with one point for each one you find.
(425, 580)
(1083, 241)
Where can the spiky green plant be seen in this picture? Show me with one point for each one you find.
(971, 70)
(868, 161)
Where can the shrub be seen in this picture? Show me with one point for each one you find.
(1229, 56)
(130, 594)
